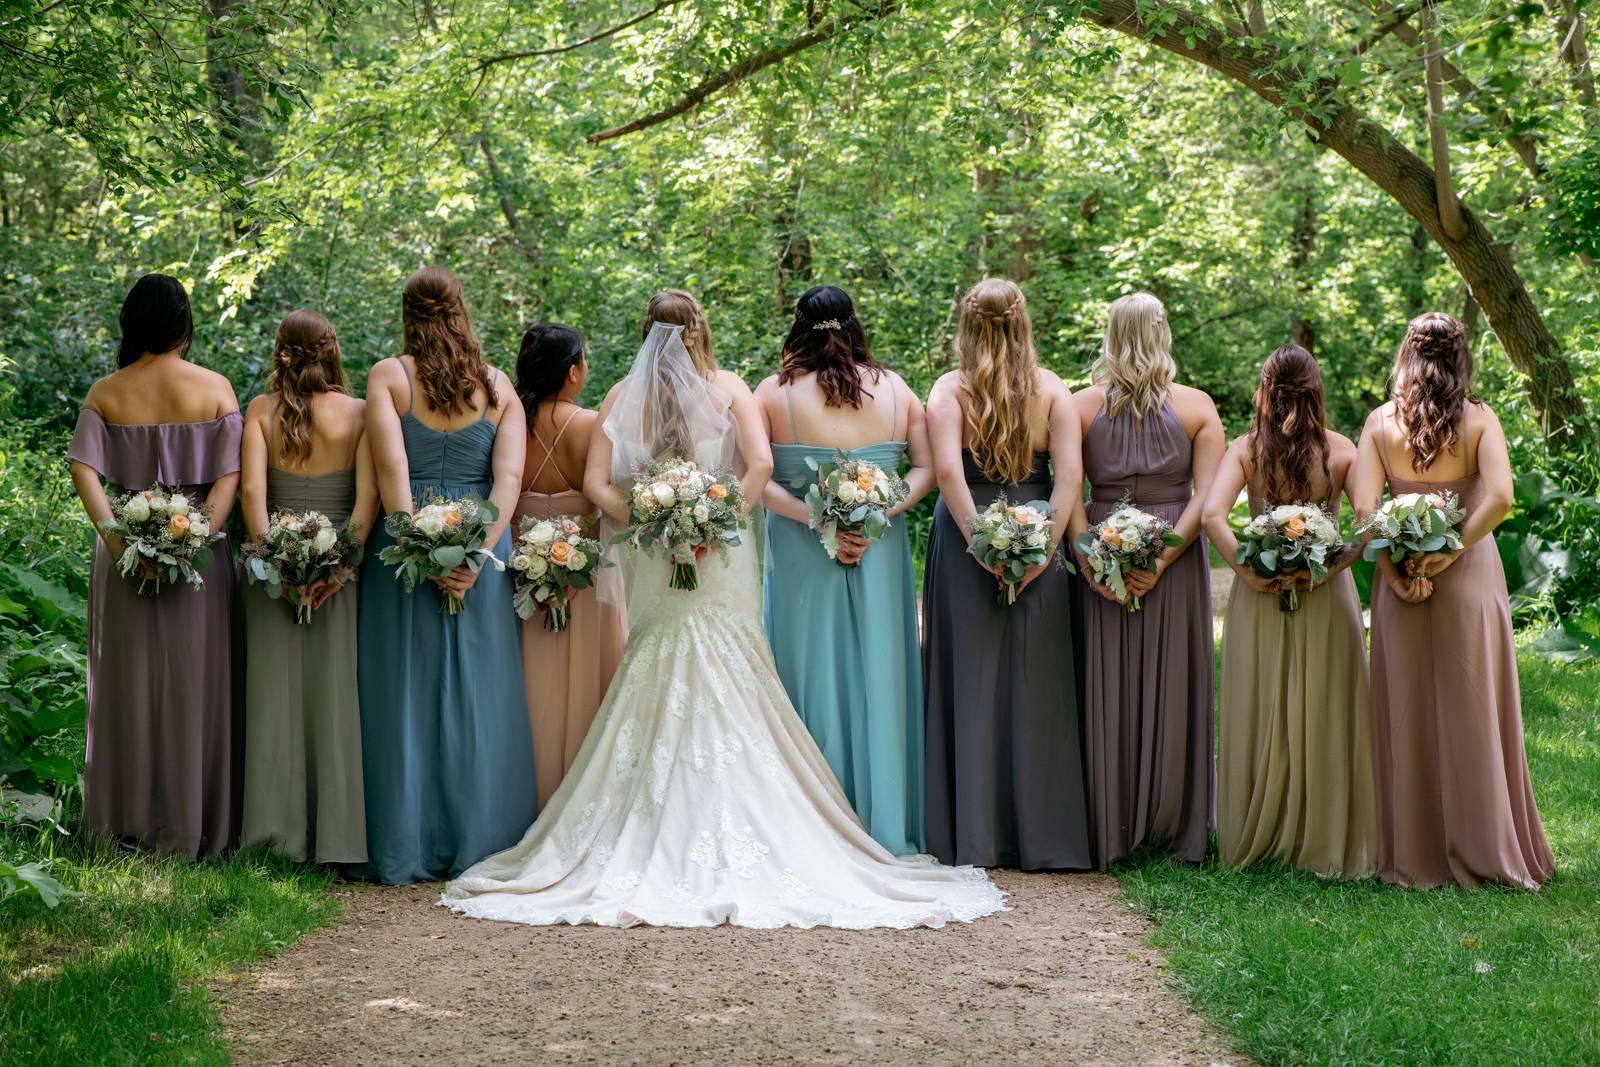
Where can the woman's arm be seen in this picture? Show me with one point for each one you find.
(225, 490)
(754, 448)
(776, 497)
(510, 453)
(1066, 458)
(1365, 489)
(945, 422)
(597, 470)
(386, 439)
(1225, 489)
(919, 453)
(364, 513)
(1209, 443)
(1499, 493)
(253, 468)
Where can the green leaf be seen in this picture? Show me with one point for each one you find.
(449, 557)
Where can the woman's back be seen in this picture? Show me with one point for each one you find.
(167, 389)
(799, 415)
(558, 448)
(445, 448)
(1039, 405)
(1453, 465)
(1325, 485)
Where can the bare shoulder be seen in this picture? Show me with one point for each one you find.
(947, 389)
(217, 386)
(1089, 401)
(1050, 383)
(99, 393)
(385, 372)
(1340, 447)
(904, 391)
(1376, 419)
(1481, 414)
(257, 409)
(731, 383)
(1189, 400)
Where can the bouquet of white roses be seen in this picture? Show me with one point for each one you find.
(686, 512)
(1286, 539)
(299, 549)
(852, 496)
(439, 537)
(163, 532)
(1128, 540)
(550, 558)
(1009, 538)
(1412, 525)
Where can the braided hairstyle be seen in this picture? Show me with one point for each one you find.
(305, 362)
(437, 332)
(994, 345)
(1432, 383)
(1288, 439)
(826, 339)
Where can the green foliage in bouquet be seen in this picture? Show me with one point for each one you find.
(297, 551)
(439, 537)
(839, 502)
(1413, 525)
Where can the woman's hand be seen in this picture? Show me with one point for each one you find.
(851, 548)
(1141, 582)
(1260, 584)
(1031, 573)
(320, 592)
(458, 581)
(1095, 584)
(1432, 564)
(1412, 591)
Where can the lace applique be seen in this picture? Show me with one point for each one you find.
(733, 849)
(624, 883)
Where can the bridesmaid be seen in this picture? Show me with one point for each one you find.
(1148, 674)
(567, 672)
(1005, 761)
(304, 450)
(1454, 800)
(160, 768)
(1294, 749)
(444, 719)
(844, 633)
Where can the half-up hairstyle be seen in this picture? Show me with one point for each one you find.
(1135, 364)
(155, 318)
(1289, 440)
(678, 308)
(549, 352)
(826, 339)
(437, 333)
(305, 362)
(1432, 383)
(994, 344)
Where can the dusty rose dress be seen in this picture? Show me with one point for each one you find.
(162, 760)
(1454, 800)
(567, 673)
(1147, 675)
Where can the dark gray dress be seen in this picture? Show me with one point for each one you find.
(1005, 781)
(162, 752)
(1147, 674)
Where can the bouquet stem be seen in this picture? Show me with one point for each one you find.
(1135, 603)
(1008, 594)
(153, 584)
(1289, 600)
(451, 604)
(302, 613)
(556, 616)
(684, 576)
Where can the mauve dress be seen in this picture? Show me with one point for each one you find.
(1005, 784)
(1147, 674)
(1455, 803)
(162, 748)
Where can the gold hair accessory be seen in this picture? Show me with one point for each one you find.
(828, 324)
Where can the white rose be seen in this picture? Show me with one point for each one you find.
(429, 525)
(199, 526)
(177, 504)
(663, 493)
(1036, 539)
(1001, 541)
(136, 510)
(326, 538)
(848, 492)
(576, 560)
(688, 490)
(701, 513)
(157, 502)
(537, 566)
(520, 562)
(541, 534)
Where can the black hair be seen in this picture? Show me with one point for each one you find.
(155, 318)
(549, 350)
(826, 339)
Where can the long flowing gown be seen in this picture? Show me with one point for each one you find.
(1294, 740)
(302, 712)
(444, 719)
(162, 767)
(1148, 674)
(1455, 803)
(845, 642)
(567, 672)
(699, 798)
(1005, 755)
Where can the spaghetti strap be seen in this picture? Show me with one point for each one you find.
(788, 402)
(355, 435)
(550, 454)
(894, 410)
(411, 389)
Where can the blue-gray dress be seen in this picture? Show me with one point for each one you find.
(445, 743)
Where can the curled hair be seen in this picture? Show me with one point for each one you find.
(994, 344)
(1289, 440)
(675, 307)
(826, 339)
(155, 318)
(549, 352)
(1135, 364)
(1432, 383)
(437, 333)
(305, 362)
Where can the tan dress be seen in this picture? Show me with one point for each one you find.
(568, 672)
(1294, 746)
(1454, 799)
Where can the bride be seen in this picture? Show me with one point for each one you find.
(698, 797)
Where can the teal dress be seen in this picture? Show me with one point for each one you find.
(445, 743)
(845, 641)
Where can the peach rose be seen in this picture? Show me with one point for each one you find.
(717, 491)
(864, 480)
(1111, 537)
(453, 517)
(178, 525)
(560, 551)
(1295, 527)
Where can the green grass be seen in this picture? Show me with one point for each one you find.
(1296, 970)
(118, 975)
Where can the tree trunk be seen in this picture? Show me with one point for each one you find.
(1302, 328)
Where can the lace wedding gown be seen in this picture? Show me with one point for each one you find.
(699, 798)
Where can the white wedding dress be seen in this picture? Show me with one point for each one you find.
(698, 797)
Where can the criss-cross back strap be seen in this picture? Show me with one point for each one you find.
(550, 453)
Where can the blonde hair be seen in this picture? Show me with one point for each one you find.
(994, 344)
(676, 307)
(1135, 363)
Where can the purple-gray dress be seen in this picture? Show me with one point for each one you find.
(1147, 674)
(161, 760)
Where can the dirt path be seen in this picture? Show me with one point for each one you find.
(1063, 978)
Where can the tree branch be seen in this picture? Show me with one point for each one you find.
(611, 31)
(1393, 19)
(1444, 186)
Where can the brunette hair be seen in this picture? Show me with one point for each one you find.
(549, 351)
(675, 307)
(826, 339)
(1432, 383)
(994, 344)
(1288, 439)
(305, 362)
(437, 333)
(155, 318)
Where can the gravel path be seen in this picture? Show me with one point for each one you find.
(1063, 978)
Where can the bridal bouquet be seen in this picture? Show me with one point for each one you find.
(550, 558)
(1010, 538)
(1412, 525)
(164, 529)
(1286, 539)
(851, 496)
(299, 549)
(686, 512)
(439, 537)
(1128, 540)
